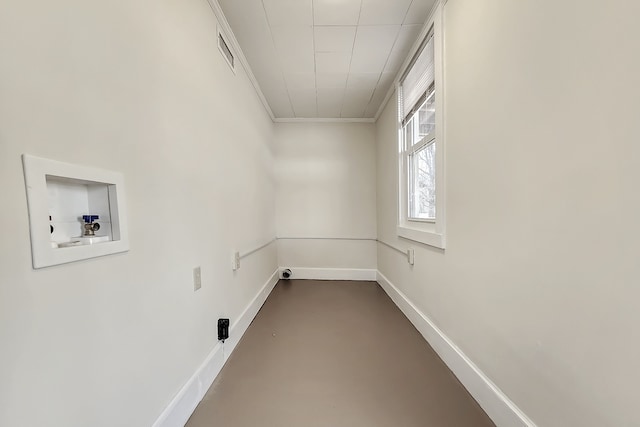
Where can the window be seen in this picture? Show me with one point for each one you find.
(420, 150)
(421, 143)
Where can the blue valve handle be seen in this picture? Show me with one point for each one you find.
(90, 218)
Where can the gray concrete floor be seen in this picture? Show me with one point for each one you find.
(335, 354)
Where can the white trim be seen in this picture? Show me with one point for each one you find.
(239, 54)
(305, 273)
(495, 403)
(323, 120)
(325, 238)
(185, 402)
(427, 237)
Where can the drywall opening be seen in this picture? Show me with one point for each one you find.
(75, 212)
(70, 202)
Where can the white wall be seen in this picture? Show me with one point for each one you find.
(538, 284)
(326, 189)
(137, 87)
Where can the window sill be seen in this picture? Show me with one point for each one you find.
(426, 237)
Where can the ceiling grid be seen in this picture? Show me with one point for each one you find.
(330, 59)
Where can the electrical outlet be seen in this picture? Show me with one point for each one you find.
(197, 278)
(223, 329)
(410, 256)
(235, 261)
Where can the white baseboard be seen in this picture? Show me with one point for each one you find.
(332, 273)
(182, 406)
(495, 403)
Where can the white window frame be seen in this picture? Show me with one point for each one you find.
(428, 231)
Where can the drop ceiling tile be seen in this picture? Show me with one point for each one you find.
(362, 82)
(334, 38)
(294, 44)
(358, 95)
(419, 12)
(383, 12)
(371, 110)
(332, 12)
(329, 95)
(261, 57)
(286, 12)
(330, 102)
(330, 111)
(293, 38)
(331, 80)
(386, 79)
(374, 105)
(396, 59)
(379, 37)
(274, 90)
(353, 109)
(333, 62)
(280, 106)
(303, 102)
(300, 96)
(270, 81)
(305, 111)
(406, 39)
(369, 62)
(300, 81)
(268, 73)
(351, 113)
(379, 94)
(372, 48)
(408, 36)
(296, 63)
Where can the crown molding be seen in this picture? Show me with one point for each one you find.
(324, 120)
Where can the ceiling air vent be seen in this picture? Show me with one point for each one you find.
(226, 52)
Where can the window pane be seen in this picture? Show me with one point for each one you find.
(421, 123)
(427, 117)
(423, 183)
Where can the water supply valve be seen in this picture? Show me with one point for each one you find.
(90, 227)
